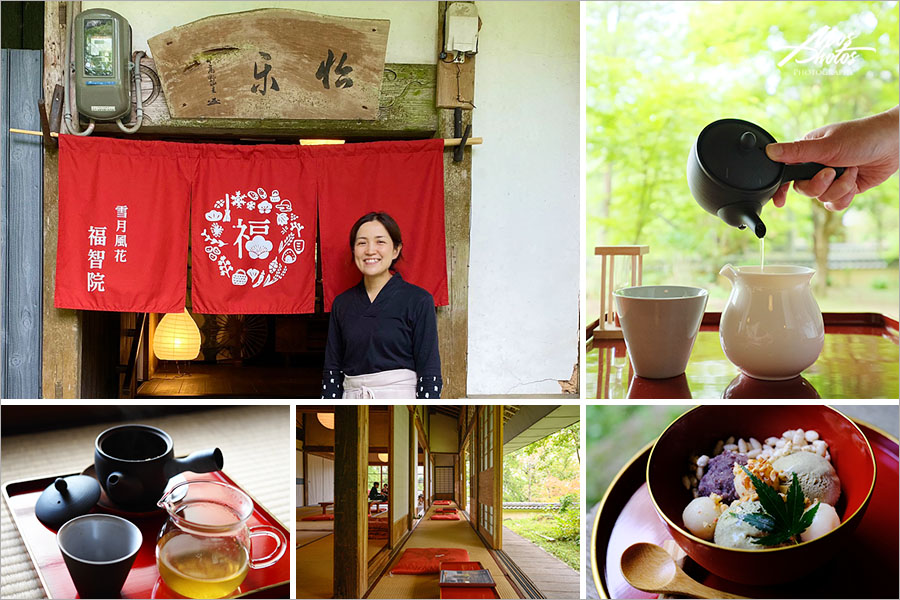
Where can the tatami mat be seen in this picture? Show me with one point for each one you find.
(315, 569)
(440, 534)
(255, 442)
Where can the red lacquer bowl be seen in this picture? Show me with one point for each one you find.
(698, 430)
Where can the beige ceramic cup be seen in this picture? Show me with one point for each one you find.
(660, 323)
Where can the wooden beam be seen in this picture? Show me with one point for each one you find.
(351, 523)
(406, 111)
(62, 328)
(453, 320)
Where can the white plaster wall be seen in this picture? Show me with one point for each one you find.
(525, 253)
(320, 479)
(400, 479)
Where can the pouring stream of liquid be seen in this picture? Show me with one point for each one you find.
(762, 254)
(650, 568)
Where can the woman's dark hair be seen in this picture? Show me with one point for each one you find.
(389, 223)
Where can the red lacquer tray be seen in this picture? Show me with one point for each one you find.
(144, 580)
(859, 360)
(867, 568)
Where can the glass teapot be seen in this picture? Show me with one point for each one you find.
(203, 550)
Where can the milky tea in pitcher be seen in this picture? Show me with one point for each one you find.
(199, 566)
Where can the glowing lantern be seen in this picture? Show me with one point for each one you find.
(383, 457)
(177, 337)
(326, 419)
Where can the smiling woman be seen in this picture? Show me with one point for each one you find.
(382, 336)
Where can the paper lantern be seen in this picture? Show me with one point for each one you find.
(326, 419)
(177, 337)
(383, 457)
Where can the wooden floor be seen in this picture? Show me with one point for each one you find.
(233, 381)
(553, 577)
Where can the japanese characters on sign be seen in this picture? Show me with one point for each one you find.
(323, 72)
(253, 231)
(97, 238)
(257, 74)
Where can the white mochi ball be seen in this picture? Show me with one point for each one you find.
(700, 517)
(825, 520)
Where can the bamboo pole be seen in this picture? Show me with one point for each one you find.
(448, 142)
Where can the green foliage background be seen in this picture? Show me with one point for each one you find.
(546, 470)
(658, 72)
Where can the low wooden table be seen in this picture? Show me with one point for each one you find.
(859, 361)
(325, 506)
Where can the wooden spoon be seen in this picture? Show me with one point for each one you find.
(649, 567)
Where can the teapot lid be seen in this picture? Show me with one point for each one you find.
(734, 152)
(65, 499)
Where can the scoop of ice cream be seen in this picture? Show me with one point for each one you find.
(817, 477)
(719, 478)
(734, 532)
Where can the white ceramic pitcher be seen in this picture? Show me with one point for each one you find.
(771, 327)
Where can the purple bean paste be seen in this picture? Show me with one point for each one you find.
(719, 478)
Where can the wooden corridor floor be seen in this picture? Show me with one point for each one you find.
(553, 577)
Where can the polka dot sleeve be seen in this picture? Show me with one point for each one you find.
(332, 384)
(429, 388)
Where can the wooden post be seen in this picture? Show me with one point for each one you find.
(61, 368)
(498, 477)
(413, 455)
(607, 328)
(453, 320)
(305, 462)
(351, 523)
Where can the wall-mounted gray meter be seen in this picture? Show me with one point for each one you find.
(102, 59)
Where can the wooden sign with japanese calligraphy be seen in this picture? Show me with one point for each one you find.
(273, 63)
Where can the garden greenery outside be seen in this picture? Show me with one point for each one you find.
(658, 72)
(614, 434)
(547, 471)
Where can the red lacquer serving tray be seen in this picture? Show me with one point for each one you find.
(859, 360)
(144, 580)
(867, 568)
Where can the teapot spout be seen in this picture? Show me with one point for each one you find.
(728, 272)
(744, 215)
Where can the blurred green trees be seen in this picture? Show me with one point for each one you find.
(658, 72)
(546, 470)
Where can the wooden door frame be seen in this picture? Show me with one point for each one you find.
(62, 329)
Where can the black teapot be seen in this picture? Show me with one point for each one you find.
(135, 462)
(731, 176)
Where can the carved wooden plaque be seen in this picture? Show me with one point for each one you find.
(273, 63)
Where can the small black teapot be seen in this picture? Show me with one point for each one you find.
(731, 176)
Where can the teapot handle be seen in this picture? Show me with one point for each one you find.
(807, 171)
(271, 558)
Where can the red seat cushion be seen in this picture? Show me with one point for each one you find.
(446, 510)
(328, 517)
(442, 502)
(418, 561)
(444, 517)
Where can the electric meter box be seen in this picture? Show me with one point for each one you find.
(102, 58)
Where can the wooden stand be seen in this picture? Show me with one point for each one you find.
(608, 327)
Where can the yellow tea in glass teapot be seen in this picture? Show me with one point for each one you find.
(203, 550)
